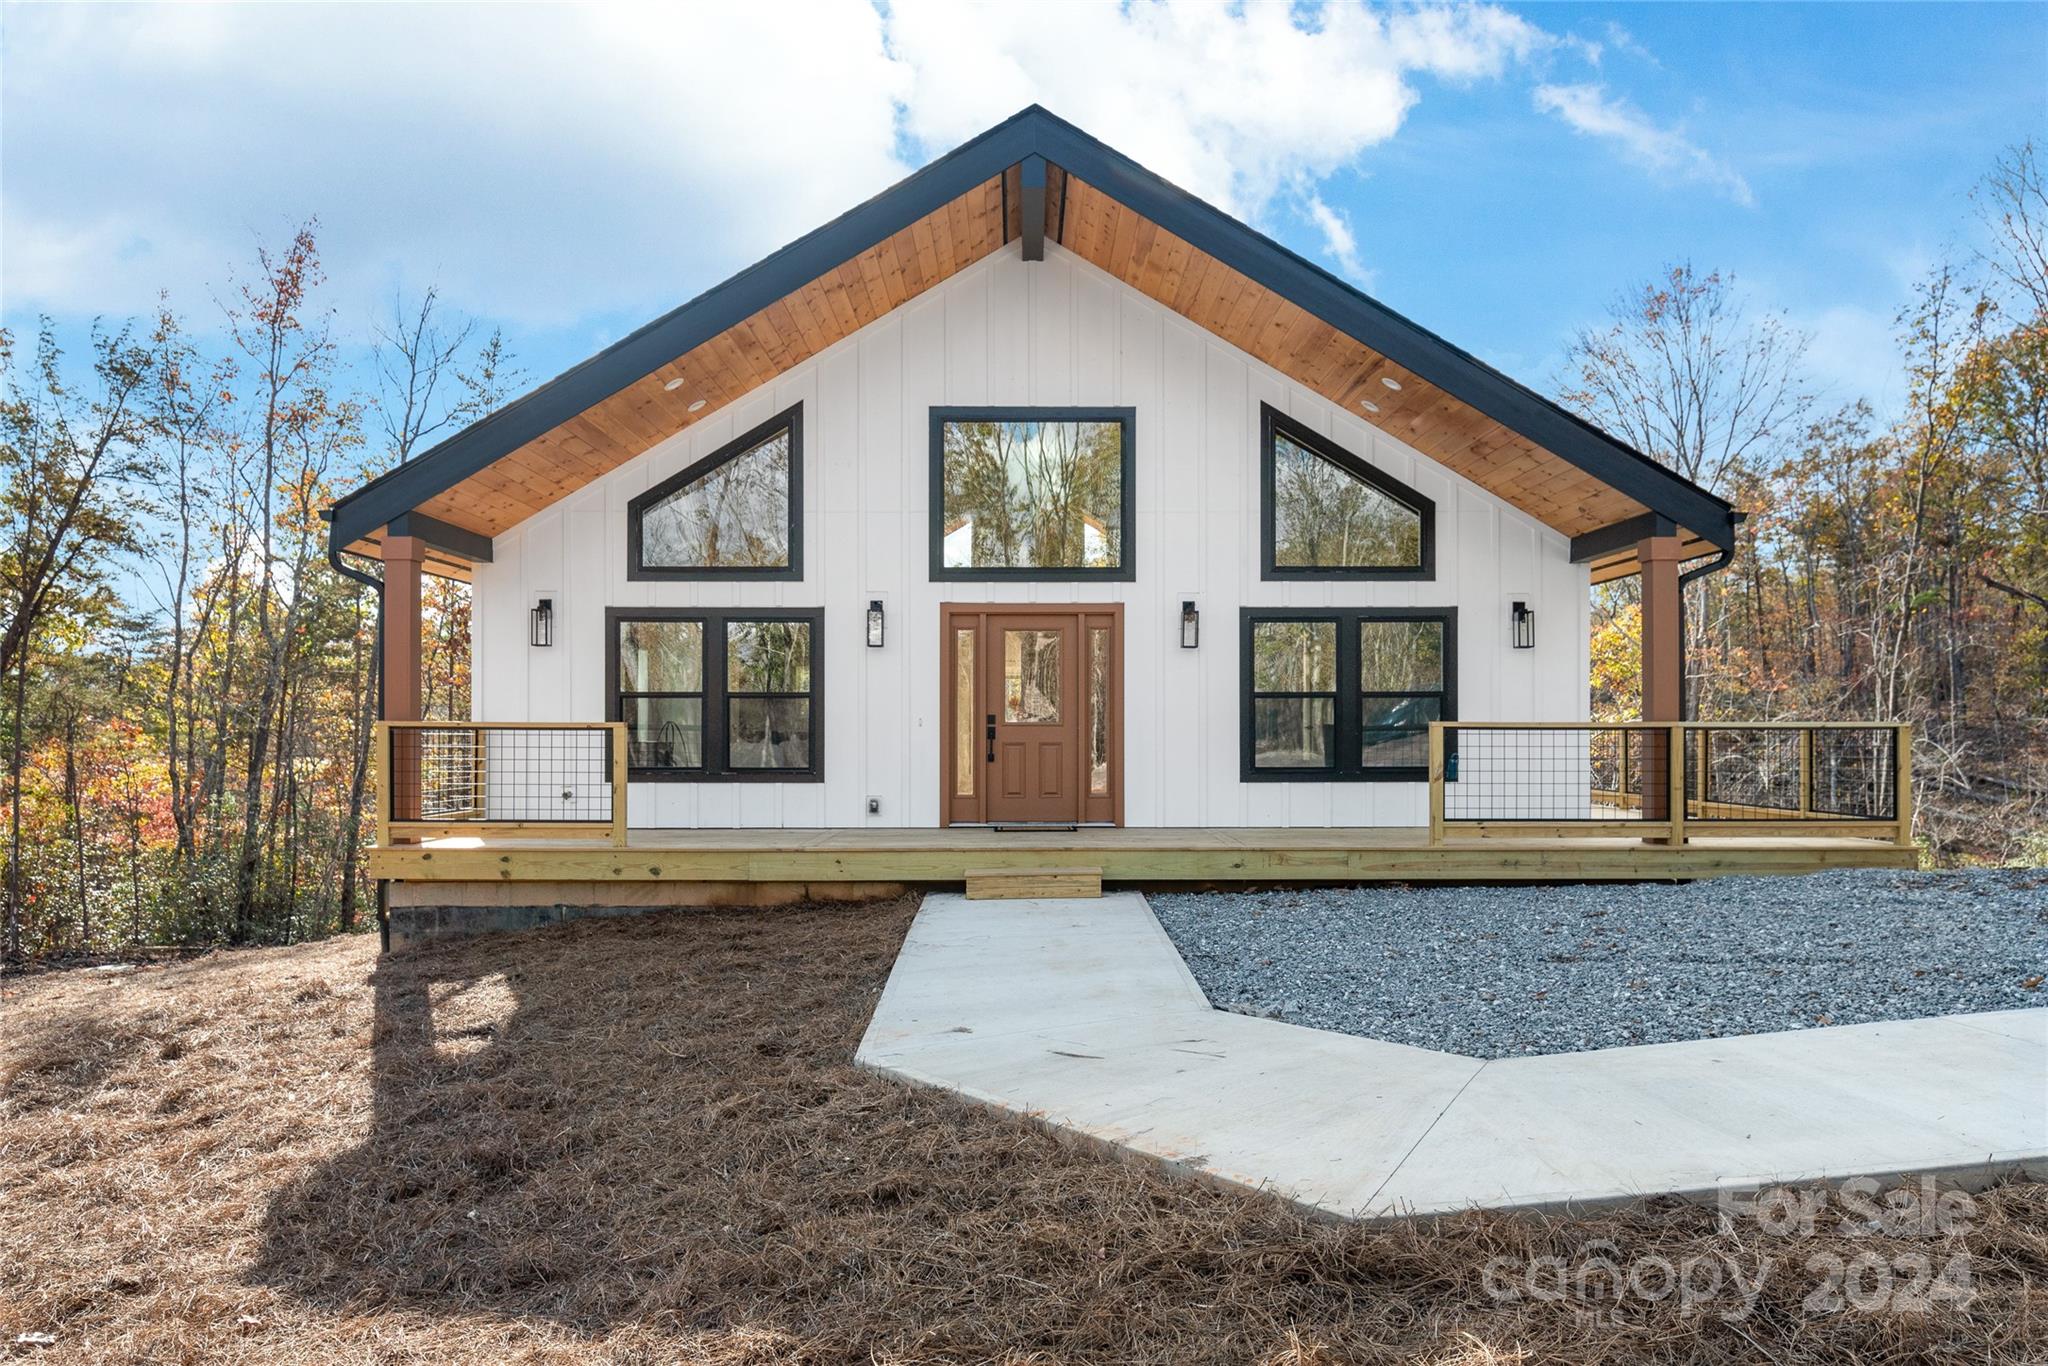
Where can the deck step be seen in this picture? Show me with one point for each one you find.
(992, 884)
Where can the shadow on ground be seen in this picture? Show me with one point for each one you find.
(613, 1120)
(652, 1127)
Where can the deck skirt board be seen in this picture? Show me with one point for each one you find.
(1254, 855)
(1016, 884)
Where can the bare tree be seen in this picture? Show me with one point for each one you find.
(2003, 387)
(64, 510)
(2012, 201)
(415, 359)
(1939, 330)
(425, 386)
(290, 364)
(181, 407)
(1684, 374)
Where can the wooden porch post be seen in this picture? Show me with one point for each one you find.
(1663, 671)
(403, 556)
(1663, 668)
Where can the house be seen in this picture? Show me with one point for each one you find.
(1035, 494)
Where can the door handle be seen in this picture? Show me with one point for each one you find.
(991, 737)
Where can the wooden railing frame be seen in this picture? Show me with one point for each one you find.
(1684, 818)
(391, 830)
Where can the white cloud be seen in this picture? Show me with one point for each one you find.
(1665, 152)
(1338, 239)
(1589, 50)
(1247, 107)
(541, 163)
(1622, 41)
(548, 166)
(1237, 104)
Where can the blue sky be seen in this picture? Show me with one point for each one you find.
(1496, 172)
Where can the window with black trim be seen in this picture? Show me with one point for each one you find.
(737, 513)
(1345, 695)
(1326, 514)
(1032, 493)
(719, 696)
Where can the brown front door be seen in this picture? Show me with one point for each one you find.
(1033, 728)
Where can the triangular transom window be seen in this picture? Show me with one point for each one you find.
(1329, 514)
(736, 513)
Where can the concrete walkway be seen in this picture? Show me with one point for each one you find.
(1081, 1013)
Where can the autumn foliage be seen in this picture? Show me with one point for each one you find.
(187, 685)
(1894, 569)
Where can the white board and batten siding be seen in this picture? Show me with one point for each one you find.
(1056, 332)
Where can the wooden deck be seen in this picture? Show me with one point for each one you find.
(574, 871)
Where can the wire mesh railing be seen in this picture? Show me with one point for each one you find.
(1582, 777)
(1805, 773)
(543, 779)
(1657, 780)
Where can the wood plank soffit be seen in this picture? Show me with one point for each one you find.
(1033, 199)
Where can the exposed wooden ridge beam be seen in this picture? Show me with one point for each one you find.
(1031, 181)
(575, 428)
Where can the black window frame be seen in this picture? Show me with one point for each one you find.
(716, 737)
(1126, 570)
(1271, 422)
(1348, 739)
(791, 418)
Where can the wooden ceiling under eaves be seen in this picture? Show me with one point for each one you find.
(729, 366)
(1287, 337)
(1108, 235)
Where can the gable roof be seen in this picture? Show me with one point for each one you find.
(1037, 177)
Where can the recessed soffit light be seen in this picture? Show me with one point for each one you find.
(1391, 382)
(674, 384)
(1368, 405)
(698, 406)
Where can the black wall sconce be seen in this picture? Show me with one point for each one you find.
(1190, 625)
(1522, 624)
(875, 623)
(540, 623)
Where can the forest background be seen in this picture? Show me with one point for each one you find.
(187, 684)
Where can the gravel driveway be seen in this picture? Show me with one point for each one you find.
(1493, 972)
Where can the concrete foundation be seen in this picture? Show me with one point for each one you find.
(423, 912)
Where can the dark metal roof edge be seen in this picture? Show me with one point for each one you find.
(643, 351)
(1447, 366)
(1034, 130)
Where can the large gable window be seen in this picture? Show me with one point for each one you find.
(737, 513)
(1345, 695)
(719, 696)
(1032, 493)
(1327, 514)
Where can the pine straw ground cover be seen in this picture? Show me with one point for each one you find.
(643, 1140)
